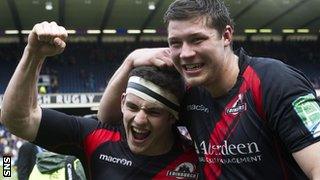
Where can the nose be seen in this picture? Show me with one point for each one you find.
(186, 51)
(140, 118)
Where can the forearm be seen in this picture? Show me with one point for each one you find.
(20, 98)
(315, 173)
(309, 160)
(110, 104)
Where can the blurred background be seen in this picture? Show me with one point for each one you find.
(103, 32)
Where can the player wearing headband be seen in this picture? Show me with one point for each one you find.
(142, 146)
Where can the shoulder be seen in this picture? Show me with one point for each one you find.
(272, 67)
(273, 72)
(106, 132)
(263, 65)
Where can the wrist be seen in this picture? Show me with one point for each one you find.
(128, 62)
(33, 52)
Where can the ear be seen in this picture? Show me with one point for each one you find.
(228, 35)
(123, 99)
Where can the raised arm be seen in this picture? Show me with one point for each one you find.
(20, 112)
(110, 104)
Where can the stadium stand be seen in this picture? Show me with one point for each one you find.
(85, 67)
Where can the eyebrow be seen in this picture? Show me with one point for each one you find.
(189, 36)
(153, 107)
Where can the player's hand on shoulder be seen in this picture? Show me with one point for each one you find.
(47, 39)
(151, 56)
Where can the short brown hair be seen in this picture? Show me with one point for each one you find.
(215, 11)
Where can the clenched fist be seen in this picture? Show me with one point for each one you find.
(47, 39)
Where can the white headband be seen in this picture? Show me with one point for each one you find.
(153, 93)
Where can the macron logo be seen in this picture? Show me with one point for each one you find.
(196, 107)
(115, 160)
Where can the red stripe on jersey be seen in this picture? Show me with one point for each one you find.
(187, 159)
(222, 129)
(98, 137)
(216, 138)
(255, 85)
(251, 76)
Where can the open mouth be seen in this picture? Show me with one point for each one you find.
(193, 67)
(140, 134)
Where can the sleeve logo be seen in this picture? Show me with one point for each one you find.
(308, 110)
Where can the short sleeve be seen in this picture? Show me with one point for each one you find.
(291, 106)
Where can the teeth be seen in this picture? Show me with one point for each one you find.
(139, 134)
(138, 130)
(192, 66)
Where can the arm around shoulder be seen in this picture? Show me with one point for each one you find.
(110, 103)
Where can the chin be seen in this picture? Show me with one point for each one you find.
(195, 81)
(136, 150)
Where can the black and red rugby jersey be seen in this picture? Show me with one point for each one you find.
(250, 133)
(105, 154)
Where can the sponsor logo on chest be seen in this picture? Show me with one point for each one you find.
(228, 153)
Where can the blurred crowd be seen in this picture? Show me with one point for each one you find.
(9, 144)
(86, 67)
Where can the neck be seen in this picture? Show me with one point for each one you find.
(228, 77)
(169, 143)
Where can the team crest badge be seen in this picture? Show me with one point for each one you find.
(238, 106)
(184, 170)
